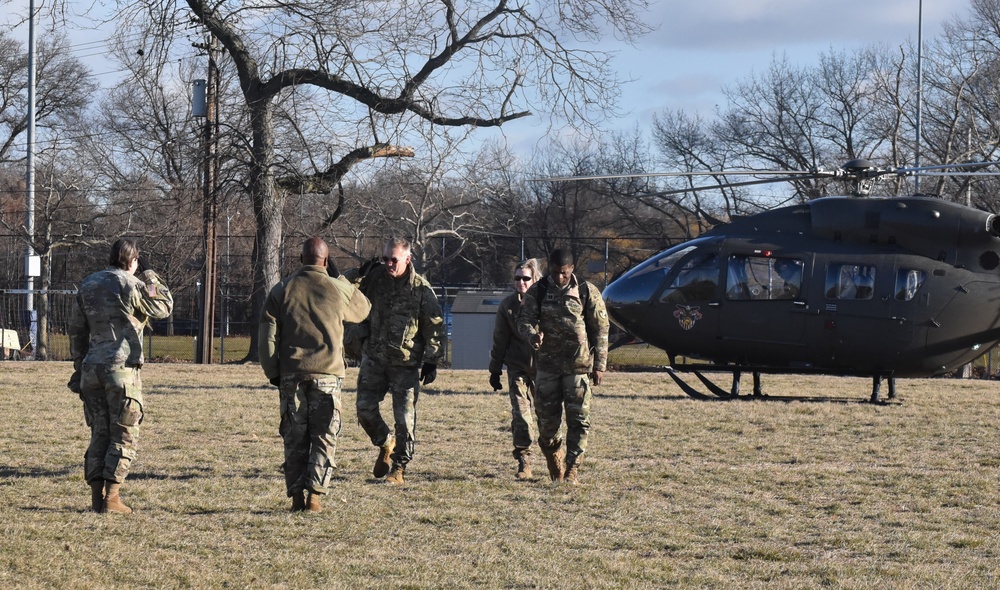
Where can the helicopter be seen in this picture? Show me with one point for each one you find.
(879, 287)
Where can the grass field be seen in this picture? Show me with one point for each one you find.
(822, 491)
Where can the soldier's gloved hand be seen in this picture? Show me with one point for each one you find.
(495, 382)
(428, 373)
(275, 381)
(368, 265)
(74, 382)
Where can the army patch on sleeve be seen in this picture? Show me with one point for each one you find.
(151, 289)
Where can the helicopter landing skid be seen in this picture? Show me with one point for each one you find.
(691, 391)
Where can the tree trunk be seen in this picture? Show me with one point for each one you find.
(268, 205)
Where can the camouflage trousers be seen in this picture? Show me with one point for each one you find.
(310, 424)
(522, 403)
(112, 407)
(403, 383)
(553, 392)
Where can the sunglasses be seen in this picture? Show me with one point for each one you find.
(525, 279)
(387, 260)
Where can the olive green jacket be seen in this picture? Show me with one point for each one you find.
(301, 328)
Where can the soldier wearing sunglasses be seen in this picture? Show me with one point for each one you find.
(400, 352)
(512, 350)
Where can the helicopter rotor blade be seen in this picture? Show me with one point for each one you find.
(922, 169)
(736, 184)
(668, 174)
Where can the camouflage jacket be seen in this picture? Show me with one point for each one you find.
(508, 346)
(575, 340)
(301, 329)
(112, 308)
(405, 326)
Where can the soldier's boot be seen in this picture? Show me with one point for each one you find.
(97, 495)
(396, 475)
(523, 467)
(572, 475)
(383, 463)
(312, 504)
(299, 501)
(554, 461)
(113, 500)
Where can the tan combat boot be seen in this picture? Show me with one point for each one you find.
(523, 467)
(573, 471)
(97, 495)
(298, 501)
(554, 461)
(112, 499)
(383, 463)
(312, 503)
(396, 475)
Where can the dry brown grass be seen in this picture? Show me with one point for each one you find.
(823, 493)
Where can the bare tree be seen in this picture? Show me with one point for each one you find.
(62, 89)
(382, 67)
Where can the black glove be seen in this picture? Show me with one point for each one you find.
(368, 265)
(495, 382)
(275, 381)
(74, 382)
(428, 373)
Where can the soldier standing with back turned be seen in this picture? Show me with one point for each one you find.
(301, 346)
(105, 335)
(565, 320)
(401, 350)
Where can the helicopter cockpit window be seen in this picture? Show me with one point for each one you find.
(908, 281)
(850, 281)
(763, 278)
(696, 281)
(645, 279)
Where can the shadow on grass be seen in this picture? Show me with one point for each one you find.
(167, 389)
(14, 472)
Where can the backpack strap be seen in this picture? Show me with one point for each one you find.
(543, 287)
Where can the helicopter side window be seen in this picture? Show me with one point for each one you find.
(696, 281)
(763, 278)
(850, 281)
(908, 281)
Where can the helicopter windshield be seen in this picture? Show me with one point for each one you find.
(646, 278)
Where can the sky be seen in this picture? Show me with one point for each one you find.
(699, 46)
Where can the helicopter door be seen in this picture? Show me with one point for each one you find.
(690, 305)
(868, 315)
(763, 312)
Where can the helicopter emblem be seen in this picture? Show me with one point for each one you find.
(687, 316)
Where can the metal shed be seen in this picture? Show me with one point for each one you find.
(473, 315)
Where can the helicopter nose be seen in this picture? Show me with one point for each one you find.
(627, 304)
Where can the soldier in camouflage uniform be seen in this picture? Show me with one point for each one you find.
(511, 350)
(112, 308)
(301, 352)
(401, 349)
(564, 319)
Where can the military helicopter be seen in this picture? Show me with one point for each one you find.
(881, 287)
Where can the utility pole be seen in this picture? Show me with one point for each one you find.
(210, 208)
(30, 259)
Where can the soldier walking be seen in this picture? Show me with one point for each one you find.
(564, 319)
(511, 350)
(301, 345)
(112, 308)
(400, 351)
